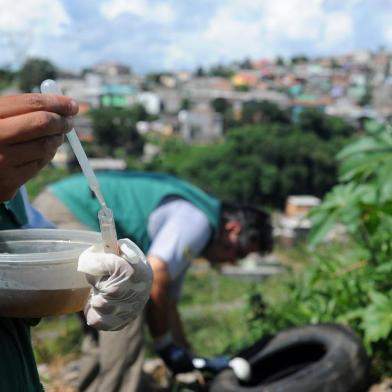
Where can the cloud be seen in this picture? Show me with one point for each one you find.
(388, 34)
(160, 12)
(25, 25)
(47, 16)
(292, 19)
(265, 28)
(338, 27)
(229, 33)
(152, 35)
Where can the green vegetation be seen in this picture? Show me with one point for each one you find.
(116, 128)
(45, 177)
(210, 306)
(348, 283)
(264, 159)
(33, 72)
(29, 77)
(221, 71)
(56, 337)
(7, 78)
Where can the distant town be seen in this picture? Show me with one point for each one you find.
(352, 86)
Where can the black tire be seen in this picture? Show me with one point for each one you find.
(314, 358)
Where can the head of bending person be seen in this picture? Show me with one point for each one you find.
(243, 229)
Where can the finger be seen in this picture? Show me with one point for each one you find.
(26, 103)
(17, 176)
(130, 251)
(93, 318)
(101, 304)
(97, 264)
(39, 149)
(43, 162)
(27, 171)
(7, 194)
(26, 127)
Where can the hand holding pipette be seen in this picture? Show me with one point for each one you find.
(121, 279)
(105, 215)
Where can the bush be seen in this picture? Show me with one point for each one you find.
(46, 176)
(350, 283)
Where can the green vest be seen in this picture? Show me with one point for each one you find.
(18, 370)
(132, 196)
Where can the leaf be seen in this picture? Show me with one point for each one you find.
(320, 230)
(373, 126)
(377, 317)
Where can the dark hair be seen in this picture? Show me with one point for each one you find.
(255, 224)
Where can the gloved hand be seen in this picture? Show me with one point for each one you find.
(176, 358)
(120, 285)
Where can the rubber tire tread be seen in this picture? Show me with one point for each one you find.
(344, 367)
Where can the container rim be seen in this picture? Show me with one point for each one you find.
(55, 257)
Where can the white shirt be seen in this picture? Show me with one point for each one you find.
(179, 232)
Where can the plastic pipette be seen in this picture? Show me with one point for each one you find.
(105, 215)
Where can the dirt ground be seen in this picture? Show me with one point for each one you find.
(61, 376)
(385, 386)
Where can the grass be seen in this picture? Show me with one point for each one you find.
(57, 337)
(46, 176)
(207, 286)
(213, 308)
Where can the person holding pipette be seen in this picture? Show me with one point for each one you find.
(32, 127)
(173, 222)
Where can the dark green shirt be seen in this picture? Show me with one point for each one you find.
(18, 370)
(132, 196)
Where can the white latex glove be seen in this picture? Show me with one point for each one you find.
(121, 285)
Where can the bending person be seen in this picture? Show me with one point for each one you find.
(173, 222)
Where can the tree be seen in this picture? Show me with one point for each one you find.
(256, 112)
(34, 71)
(261, 163)
(241, 87)
(246, 64)
(300, 59)
(200, 72)
(324, 126)
(222, 71)
(220, 105)
(185, 103)
(6, 77)
(367, 98)
(116, 127)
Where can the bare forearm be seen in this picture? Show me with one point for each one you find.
(158, 308)
(162, 312)
(177, 328)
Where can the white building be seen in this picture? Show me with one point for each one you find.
(295, 224)
(150, 101)
(200, 124)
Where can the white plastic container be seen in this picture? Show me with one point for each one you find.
(38, 271)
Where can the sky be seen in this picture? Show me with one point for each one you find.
(161, 35)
